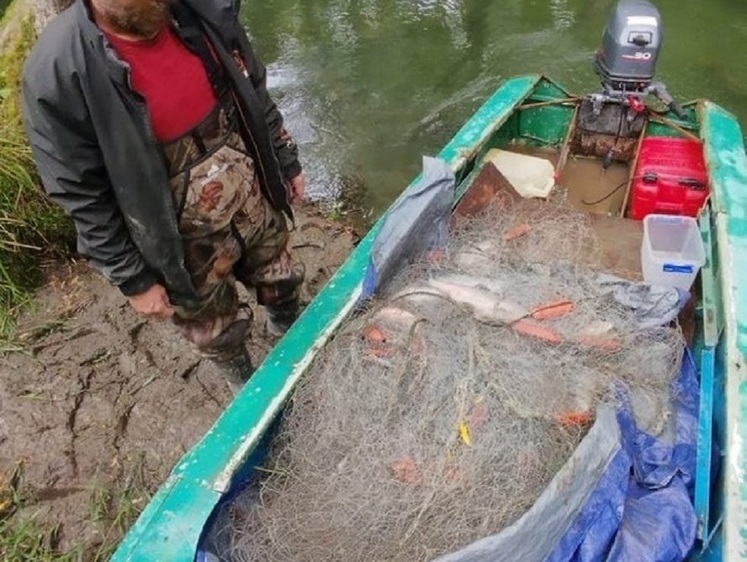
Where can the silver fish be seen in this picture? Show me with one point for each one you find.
(485, 304)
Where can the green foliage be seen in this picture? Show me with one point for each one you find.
(4, 6)
(26, 541)
(22, 537)
(116, 507)
(31, 228)
(25, 536)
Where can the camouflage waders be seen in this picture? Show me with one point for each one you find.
(230, 232)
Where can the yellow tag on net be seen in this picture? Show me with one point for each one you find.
(464, 434)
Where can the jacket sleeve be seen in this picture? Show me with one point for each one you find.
(285, 147)
(71, 168)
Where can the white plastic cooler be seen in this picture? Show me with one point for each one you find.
(672, 252)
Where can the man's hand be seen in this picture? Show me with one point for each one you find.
(153, 303)
(296, 188)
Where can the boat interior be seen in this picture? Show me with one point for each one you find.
(594, 158)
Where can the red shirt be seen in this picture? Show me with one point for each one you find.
(172, 80)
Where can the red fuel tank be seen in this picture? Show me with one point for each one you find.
(670, 178)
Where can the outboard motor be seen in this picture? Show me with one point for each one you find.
(627, 59)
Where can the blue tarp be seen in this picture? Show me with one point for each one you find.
(623, 496)
(641, 509)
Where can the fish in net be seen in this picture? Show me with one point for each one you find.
(439, 414)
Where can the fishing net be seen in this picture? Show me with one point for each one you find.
(439, 414)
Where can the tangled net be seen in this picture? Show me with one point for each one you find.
(436, 417)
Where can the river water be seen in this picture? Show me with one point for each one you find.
(368, 86)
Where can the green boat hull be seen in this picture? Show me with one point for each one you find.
(173, 523)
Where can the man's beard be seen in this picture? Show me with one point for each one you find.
(140, 18)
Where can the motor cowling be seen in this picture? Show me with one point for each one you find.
(630, 47)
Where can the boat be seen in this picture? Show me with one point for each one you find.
(537, 118)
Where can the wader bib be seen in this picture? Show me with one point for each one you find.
(230, 231)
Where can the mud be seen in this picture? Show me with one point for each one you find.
(99, 404)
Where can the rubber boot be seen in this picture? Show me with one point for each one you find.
(280, 317)
(237, 370)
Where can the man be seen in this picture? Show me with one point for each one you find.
(150, 123)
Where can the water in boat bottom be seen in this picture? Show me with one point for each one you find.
(439, 415)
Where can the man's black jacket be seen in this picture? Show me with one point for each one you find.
(98, 158)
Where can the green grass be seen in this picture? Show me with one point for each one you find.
(27, 541)
(3, 7)
(31, 228)
(116, 509)
(26, 537)
(23, 538)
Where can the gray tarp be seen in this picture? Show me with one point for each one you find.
(537, 533)
(416, 224)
